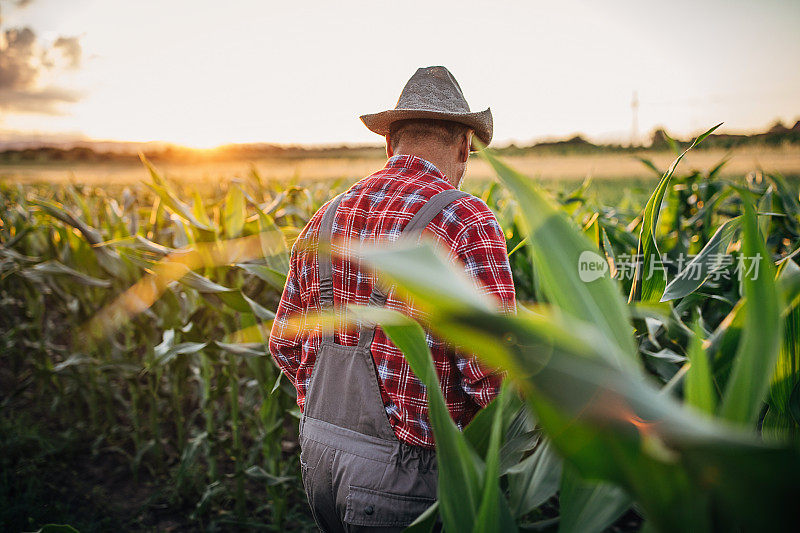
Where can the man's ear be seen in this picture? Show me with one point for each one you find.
(463, 149)
(389, 150)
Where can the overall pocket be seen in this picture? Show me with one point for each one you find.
(367, 507)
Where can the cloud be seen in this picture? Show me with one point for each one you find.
(46, 101)
(70, 48)
(25, 67)
(18, 65)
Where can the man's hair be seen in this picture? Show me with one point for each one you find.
(445, 131)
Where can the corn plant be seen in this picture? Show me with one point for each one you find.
(140, 319)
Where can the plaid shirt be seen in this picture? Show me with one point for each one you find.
(375, 210)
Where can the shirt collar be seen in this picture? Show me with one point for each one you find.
(417, 164)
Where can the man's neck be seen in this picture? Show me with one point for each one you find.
(436, 160)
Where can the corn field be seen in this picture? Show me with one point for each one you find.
(133, 351)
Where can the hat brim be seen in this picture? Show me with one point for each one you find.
(480, 121)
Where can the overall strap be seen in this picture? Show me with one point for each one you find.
(412, 230)
(324, 261)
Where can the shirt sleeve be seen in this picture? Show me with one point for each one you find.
(482, 251)
(285, 343)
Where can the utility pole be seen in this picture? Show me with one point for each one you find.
(635, 124)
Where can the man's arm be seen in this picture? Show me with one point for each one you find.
(285, 343)
(482, 251)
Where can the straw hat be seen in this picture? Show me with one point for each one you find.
(432, 92)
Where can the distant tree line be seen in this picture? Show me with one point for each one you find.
(776, 136)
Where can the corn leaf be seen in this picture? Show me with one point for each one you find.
(757, 354)
(426, 522)
(107, 258)
(460, 469)
(699, 390)
(479, 430)
(41, 271)
(177, 207)
(534, 480)
(697, 271)
(557, 248)
(588, 506)
(234, 212)
(244, 349)
(650, 279)
(783, 388)
(493, 513)
(275, 279)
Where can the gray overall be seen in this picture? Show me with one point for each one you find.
(358, 476)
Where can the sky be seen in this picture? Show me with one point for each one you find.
(204, 73)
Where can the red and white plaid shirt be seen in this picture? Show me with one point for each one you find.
(376, 209)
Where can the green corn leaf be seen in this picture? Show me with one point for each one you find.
(261, 312)
(493, 513)
(273, 243)
(258, 473)
(177, 207)
(589, 506)
(650, 165)
(557, 248)
(478, 431)
(57, 528)
(715, 171)
(519, 245)
(783, 388)
(778, 426)
(724, 341)
(275, 279)
(794, 403)
(697, 271)
(165, 356)
(76, 359)
(145, 244)
(234, 212)
(426, 522)
(608, 251)
(650, 280)
(107, 258)
(233, 298)
(202, 284)
(460, 469)
(764, 209)
(534, 480)
(244, 349)
(516, 447)
(757, 354)
(199, 210)
(41, 271)
(787, 195)
(699, 391)
(92, 235)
